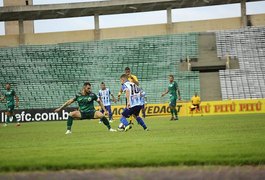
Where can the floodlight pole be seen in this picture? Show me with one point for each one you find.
(243, 13)
(21, 32)
(97, 30)
(169, 21)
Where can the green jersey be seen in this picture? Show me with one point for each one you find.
(172, 89)
(86, 102)
(10, 97)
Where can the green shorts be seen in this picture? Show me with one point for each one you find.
(10, 108)
(173, 101)
(88, 115)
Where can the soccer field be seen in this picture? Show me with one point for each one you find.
(209, 140)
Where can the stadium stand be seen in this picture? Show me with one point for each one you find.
(47, 75)
(248, 45)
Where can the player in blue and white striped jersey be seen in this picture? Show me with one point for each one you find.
(134, 103)
(105, 95)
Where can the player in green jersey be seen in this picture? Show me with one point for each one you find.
(85, 100)
(172, 90)
(10, 97)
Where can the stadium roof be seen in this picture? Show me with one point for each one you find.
(54, 11)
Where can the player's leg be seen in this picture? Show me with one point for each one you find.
(126, 114)
(176, 113)
(108, 108)
(8, 115)
(99, 115)
(131, 120)
(174, 105)
(15, 119)
(72, 115)
(173, 110)
(102, 111)
(136, 112)
(12, 113)
(131, 117)
(199, 109)
(192, 108)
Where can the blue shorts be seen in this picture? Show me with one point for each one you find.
(132, 111)
(108, 108)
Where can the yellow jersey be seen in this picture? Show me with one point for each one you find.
(196, 100)
(132, 77)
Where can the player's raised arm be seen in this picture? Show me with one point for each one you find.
(163, 94)
(67, 103)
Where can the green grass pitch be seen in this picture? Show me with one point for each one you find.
(209, 140)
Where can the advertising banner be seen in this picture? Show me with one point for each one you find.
(183, 108)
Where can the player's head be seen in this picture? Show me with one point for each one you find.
(195, 94)
(123, 78)
(171, 78)
(102, 86)
(8, 86)
(127, 71)
(87, 87)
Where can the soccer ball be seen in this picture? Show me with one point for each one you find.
(121, 127)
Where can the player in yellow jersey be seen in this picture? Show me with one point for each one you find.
(195, 101)
(132, 78)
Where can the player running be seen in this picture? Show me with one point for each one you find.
(85, 100)
(134, 103)
(172, 90)
(104, 95)
(10, 97)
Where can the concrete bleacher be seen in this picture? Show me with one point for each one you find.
(248, 45)
(44, 76)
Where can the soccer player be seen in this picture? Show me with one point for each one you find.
(134, 103)
(131, 78)
(195, 101)
(10, 97)
(172, 90)
(143, 99)
(85, 100)
(104, 95)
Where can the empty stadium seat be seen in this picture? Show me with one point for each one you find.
(248, 45)
(44, 76)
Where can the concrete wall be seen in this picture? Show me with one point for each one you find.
(129, 32)
(257, 20)
(12, 27)
(59, 37)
